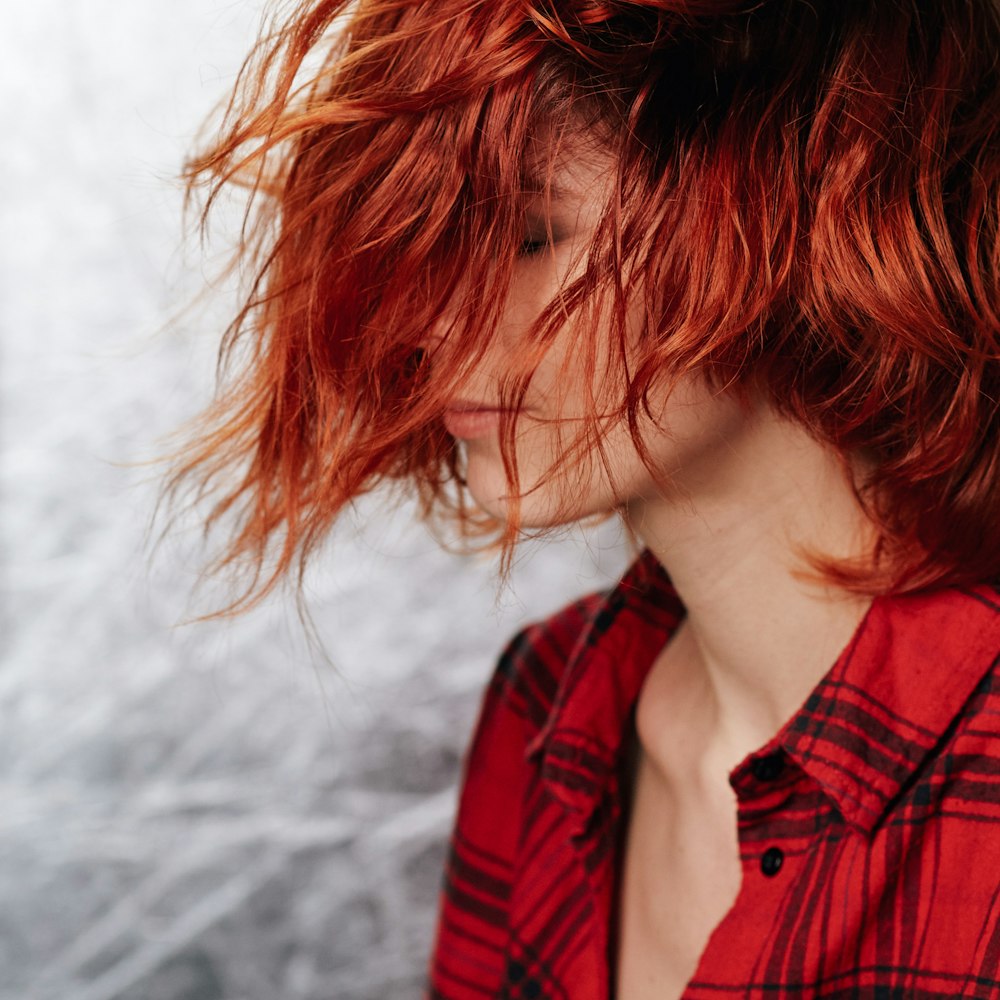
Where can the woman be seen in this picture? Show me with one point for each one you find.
(729, 271)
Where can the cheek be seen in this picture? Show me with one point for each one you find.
(684, 438)
(580, 488)
(697, 432)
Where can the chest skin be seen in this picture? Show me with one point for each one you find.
(680, 874)
(679, 870)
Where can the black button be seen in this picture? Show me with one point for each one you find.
(768, 768)
(771, 861)
(532, 989)
(515, 971)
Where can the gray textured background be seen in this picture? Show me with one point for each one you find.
(206, 812)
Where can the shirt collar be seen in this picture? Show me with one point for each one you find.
(901, 683)
(579, 742)
(898, 686)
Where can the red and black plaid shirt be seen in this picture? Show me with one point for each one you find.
(869, 827)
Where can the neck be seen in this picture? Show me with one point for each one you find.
(758, 634)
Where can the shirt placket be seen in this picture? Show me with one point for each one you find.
(778, 829)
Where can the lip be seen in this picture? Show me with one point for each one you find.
(472, 420)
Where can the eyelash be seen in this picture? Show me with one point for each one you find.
(532, 247)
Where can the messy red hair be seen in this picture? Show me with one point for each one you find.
(807, 198)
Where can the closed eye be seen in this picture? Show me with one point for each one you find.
(532, 245)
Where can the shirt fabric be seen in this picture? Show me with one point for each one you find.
(869, 826)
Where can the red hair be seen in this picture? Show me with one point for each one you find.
(807, 197)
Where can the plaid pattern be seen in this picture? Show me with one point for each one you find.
(869, 826)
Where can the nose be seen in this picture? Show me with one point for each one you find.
(438, 346)
(437, 333)
(421, 358)
(414, 362)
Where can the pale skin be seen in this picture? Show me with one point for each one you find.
(745, 490)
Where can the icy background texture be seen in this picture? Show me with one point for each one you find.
(192, 811)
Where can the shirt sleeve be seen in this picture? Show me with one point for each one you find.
(468, 957)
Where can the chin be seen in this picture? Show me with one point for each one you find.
(546, 507)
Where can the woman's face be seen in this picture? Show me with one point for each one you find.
(695, 426)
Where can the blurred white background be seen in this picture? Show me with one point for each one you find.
(195, 812)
